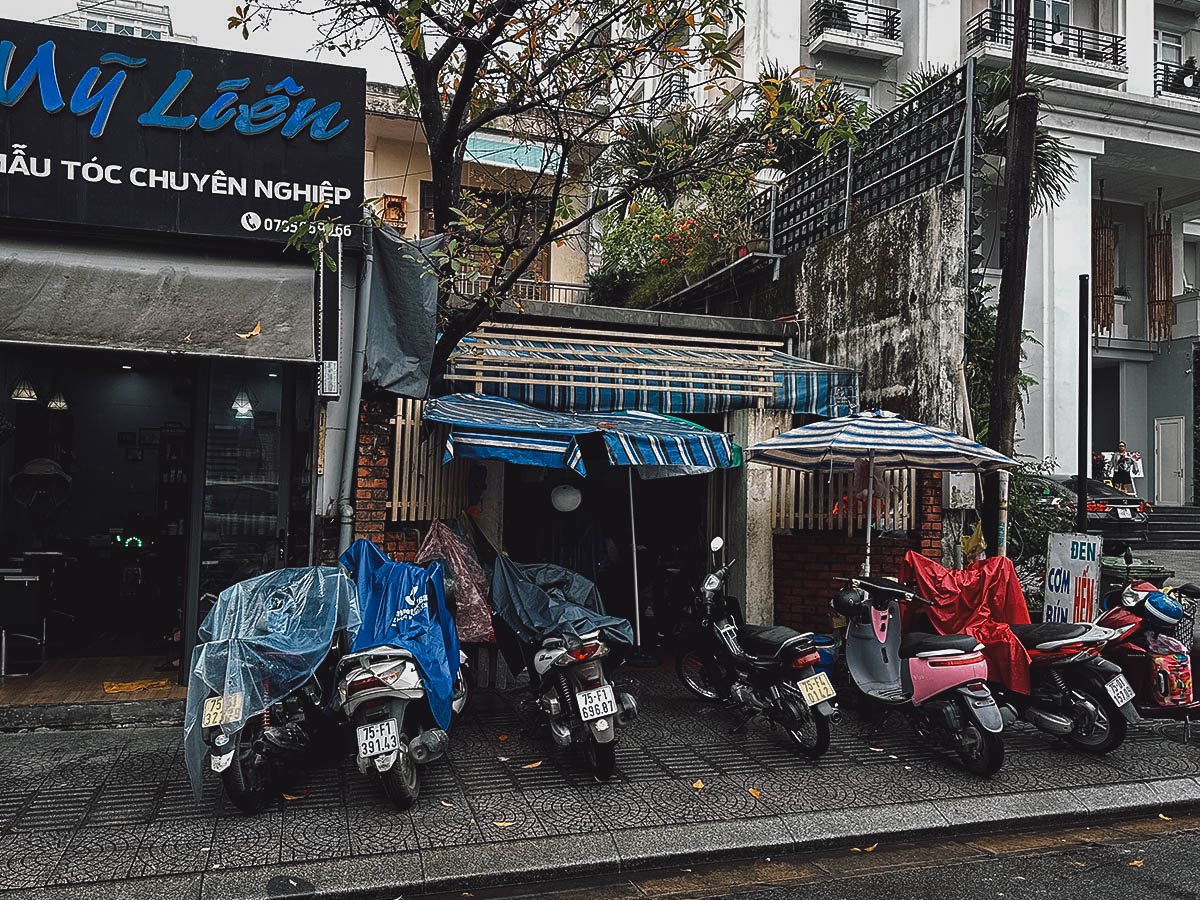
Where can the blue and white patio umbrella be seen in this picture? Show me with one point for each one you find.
(885, 440)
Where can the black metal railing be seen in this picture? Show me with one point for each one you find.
(995, 26)
(1171, 79)
(855, 17)
(914, 147)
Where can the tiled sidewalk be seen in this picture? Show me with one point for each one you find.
(80, 808)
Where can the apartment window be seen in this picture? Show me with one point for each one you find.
(858, 91)
(126, 30)
(1168, 47)
(93, 25)
(395, 211)
(151, 35)
(1191, 271)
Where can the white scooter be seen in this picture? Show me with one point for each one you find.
(383, 696)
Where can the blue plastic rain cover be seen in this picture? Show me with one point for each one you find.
(539, 600)
(404, 606)
(263, 639)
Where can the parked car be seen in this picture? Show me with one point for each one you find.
(1120, 519)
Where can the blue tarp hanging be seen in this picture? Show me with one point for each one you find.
(404, 606)
(588, 376)
(484, 427)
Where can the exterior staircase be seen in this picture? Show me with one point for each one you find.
(1174, 528)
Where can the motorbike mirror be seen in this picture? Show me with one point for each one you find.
(717, 543)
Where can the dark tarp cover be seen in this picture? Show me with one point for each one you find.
(539, 600)
(263, 639)
(404, 606)
(402, 322)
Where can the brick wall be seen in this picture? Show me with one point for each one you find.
(806, 562)
(376, 436)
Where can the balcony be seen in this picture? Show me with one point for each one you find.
(855, 28)
(1176, 81)
(527, 289)
(1063, 51)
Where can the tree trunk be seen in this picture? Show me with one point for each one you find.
(1010, 309)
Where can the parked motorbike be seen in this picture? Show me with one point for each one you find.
(577, 697)
(761, 670)
(938, 681)
(1075, 693)
(382, 693)
(1147, 645)
(262, 680)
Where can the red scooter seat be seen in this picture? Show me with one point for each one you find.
(915, 643)
(1044, 632)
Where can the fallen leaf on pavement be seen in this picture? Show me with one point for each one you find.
(502, 738)
(698, 784)
(755, 793)
(253, 332)
(1076, 863)
(446, 804)
(1164, 818)
(875, 749)
(187, 338)
(504, 824)
(871, 849)
(292, 797)
(1136, 863)
(856, 849)
(504, 758)
(533, 765)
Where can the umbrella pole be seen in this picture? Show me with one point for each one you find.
(637, 603)
(866, 569)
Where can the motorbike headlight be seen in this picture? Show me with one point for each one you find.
(711, 583)
(1129, 597)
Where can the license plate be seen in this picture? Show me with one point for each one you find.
(1124, 512)
(378, 738)
(217, 711)
(1119, 690)
(596, 703)
(816, 689)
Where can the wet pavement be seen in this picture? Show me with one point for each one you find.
(80, 808)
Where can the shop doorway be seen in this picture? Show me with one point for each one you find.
(129, 486)
(1168, 461)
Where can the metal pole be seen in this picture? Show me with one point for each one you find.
(637, 603)
(1002, 527)
(866, 568)
(1085, 366)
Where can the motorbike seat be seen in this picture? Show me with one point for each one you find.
(1039, 633)
(1188, 589)
(918, 643)
(770, 640)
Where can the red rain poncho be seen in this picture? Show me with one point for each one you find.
(982, 601)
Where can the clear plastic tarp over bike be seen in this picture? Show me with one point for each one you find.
(264, 638)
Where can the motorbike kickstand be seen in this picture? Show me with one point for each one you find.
(1187, 729)
(740, 727)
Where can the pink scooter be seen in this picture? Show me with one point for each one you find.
(938, 681)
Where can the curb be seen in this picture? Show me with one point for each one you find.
(610, 853)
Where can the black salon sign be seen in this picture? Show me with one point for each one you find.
(110, 132)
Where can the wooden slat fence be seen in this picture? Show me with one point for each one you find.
(821, 501)
(423, 487)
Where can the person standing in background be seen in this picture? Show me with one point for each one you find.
(1123, 469)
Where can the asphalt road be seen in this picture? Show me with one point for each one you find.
(1138, 859)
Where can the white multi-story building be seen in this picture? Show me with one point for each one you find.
(1125, 96)
(131, 18)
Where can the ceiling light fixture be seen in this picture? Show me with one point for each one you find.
(24, 391)
(242, 407)
(58, 402)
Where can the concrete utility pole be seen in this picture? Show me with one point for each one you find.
(1022, 124)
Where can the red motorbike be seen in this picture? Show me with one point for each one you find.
(1153, 646)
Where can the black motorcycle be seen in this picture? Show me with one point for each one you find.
(762, 670)
(262, 691)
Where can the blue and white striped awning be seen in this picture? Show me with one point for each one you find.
(483, 427)
(892, 441)
(577, 373)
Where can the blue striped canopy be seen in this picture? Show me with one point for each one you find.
(892, 441)
(587, 376)
(483, 427)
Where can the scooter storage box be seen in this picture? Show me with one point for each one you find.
(825, 645)
(1171, 671)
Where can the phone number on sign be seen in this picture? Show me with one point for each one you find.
(252, 221)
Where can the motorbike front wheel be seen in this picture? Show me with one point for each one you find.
(1107, 733)
(982, 752)
(602, 758)
(702, 675)
(249, 780)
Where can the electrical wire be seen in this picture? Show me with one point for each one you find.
(78, 9)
